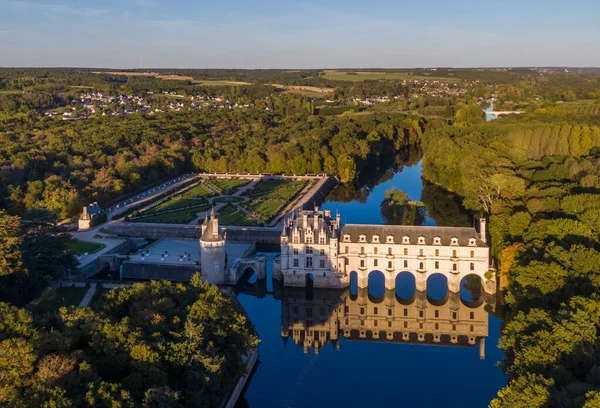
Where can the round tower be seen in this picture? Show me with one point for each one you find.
(212, 251)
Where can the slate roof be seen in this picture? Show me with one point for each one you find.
(414, 232)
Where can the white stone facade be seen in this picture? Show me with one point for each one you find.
(311, 249)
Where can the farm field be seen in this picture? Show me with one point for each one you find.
(71, 296)
(146, 74)
(81, 247)
(219, 83)
(228, 186)
(376, 75)
(231, 215)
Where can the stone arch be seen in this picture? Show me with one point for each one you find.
(472, 292)
(353, 285)
(406, 287)
(437, 289)
(376, 286)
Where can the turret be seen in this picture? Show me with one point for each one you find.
(483, 229)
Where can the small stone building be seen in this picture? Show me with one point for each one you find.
(88, 214)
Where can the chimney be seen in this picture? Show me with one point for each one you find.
(304, 220)
(483, 229)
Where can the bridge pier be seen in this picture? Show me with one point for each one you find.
(421, 281)
(453, 282)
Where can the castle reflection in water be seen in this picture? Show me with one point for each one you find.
(314, 318)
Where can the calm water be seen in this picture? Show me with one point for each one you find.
(350, 371)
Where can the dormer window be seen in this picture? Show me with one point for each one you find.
(454, 241)
(389, 239)
(421, 240)
(472, 242)
(376, 239)
(346, 237)
(437, 241)
(362, 238)
(406, 240)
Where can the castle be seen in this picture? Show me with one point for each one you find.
(314, 248)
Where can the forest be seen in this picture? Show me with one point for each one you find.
(154, 344)
(536, 177)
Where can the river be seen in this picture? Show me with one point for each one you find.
(352, 370)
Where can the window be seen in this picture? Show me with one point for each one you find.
(362, 250)
(437, 313)
(309, 311)
(389, 239)
(453, 266)
(420, 313)
(454, 315)
(405, 325)
(322, 252)
(405, 251)
(375, 250)
(437, 265)
(454, 253)
(389, 312)
(389, 324)
(375, 323)
(347, 261)
(362, 238)
(375, 238)
(421, 240)
(437, 326)
(437, 252)
(375, 262)
(453, 327)
(309, 250)
(406, 264)
(346, 249)
(472, 328)
(375, 310)
(472, 266)
(437, 241)
(362, 263)
(472, 254)
(471, 241)
(405, 312)
(346, 238)
(471, 315)
(390, 264)
(295, 251)
(406, 240)
(309, 239)
(322, 263)
(309, 262)
(296, 262)
(421, 252)
(421, 265)
(389, 251)
(454, 241)
(362, 310)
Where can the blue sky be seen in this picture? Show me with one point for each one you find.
(299, 34)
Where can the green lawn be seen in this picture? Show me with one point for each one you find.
(374, 75)
(228, 186)
(231, 215)
(81, 247)
(282, 190)
(174, 204)
(175, 217)
(228, 199)
(198, 191)
(71, 296)
(265, 210)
